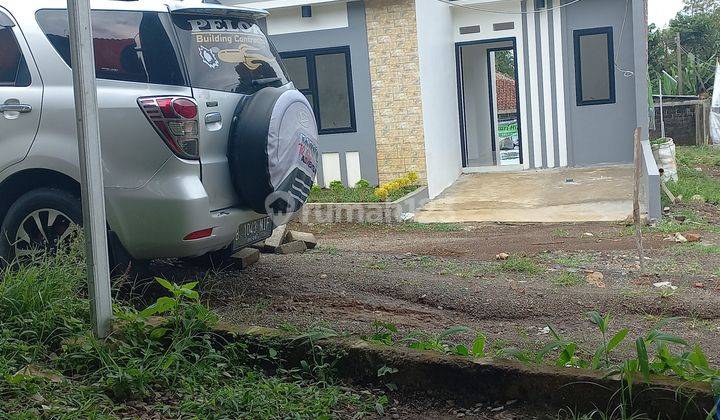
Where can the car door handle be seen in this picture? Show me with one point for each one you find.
(22, 108)
(213, 117)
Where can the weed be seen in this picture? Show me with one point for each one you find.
(575, 261)
(561, 233)
(692, 182)
(377, 265)
(692, 156)
(386, 333)
(520, 265)
(175, 366)
(568, 279)
(698, 248)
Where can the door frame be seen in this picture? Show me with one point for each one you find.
(461, 93)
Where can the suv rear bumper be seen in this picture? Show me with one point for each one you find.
(151, 221)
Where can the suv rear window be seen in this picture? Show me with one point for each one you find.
(231, 54)
(129, 46)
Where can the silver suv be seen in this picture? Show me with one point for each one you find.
(203, 135)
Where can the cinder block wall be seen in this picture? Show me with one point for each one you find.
(395, 79)
(683, 122)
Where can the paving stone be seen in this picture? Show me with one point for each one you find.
(246, 257)
(295, 247)
(308, 238)
(276, 239)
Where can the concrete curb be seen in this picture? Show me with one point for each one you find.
(363, 212)
(485, 380)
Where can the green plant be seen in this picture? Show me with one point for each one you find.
(601, 357)
(561, 233)
(377, 265)
(575, 261)
(44, 338)
(389, 191)
(363, 183)
(520, 265)
(336, 186)
(568, 279)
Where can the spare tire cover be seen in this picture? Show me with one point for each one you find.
(273, 152)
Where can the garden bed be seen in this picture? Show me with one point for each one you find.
(363, 212)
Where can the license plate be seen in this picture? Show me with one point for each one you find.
(252, 232)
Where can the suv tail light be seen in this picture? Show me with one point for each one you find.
(175, 119)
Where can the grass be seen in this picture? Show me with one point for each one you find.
(561, 233)
(378, 265)
(668, 225)
(575, 261)
(693, 182)
(520, 265)
(697, 248)
(52, 367)
(568, 279)
(698, 155)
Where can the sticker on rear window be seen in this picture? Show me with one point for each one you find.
(217, 40)
(231, 54)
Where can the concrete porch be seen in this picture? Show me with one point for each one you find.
(596, 194)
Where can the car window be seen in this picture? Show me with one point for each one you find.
(230, 54)
(129, 46)
(13, 68)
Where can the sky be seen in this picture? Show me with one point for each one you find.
(661, 11)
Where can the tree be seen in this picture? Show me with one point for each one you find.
(699, 28)
(693, 7)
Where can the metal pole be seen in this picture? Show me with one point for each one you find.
(91, 175)
(636, 198)
(681, 76)
(662, 117)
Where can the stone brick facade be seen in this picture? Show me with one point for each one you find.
(395, 78)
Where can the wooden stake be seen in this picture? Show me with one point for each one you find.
(667, 192)
(636, 199)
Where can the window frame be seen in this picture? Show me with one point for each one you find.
(312, 89)
(22, 63)
(174, 41)
(577, 35)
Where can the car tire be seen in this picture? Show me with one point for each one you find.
(62, 205)
(52, 212)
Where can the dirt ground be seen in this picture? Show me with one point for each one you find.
(428, 279)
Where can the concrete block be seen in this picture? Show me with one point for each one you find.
(277, 238)
(246, 257)
(295, 247)
(308, 238)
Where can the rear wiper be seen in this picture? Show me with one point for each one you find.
(266, 81)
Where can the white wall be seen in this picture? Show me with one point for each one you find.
(289, 20)
(436, 49)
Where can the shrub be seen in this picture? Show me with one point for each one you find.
(363, 183)
(337, 186)
(386, 190)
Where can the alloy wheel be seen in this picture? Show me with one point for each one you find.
(43, 230)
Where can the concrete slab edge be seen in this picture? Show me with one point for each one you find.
(384, 212)
(484, 380)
